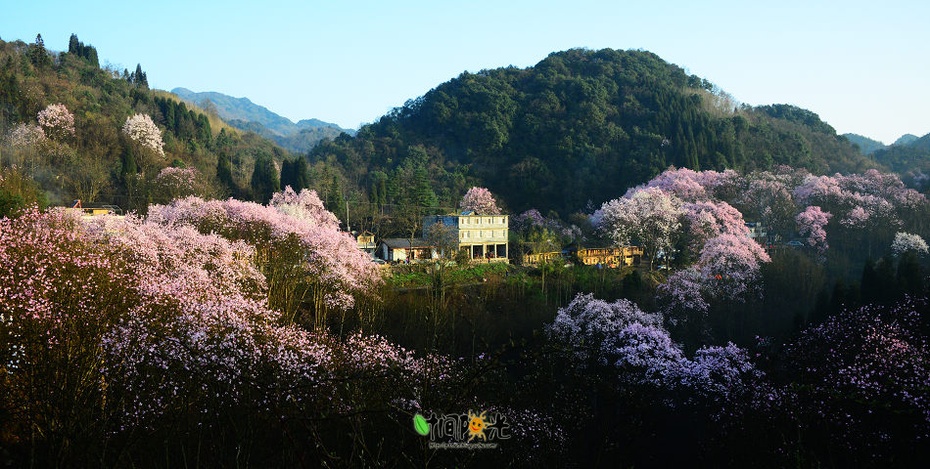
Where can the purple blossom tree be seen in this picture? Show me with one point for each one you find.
(480, 201)
(861, 381)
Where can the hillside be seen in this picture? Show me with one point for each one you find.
(866, 145)
(910, 157)
(246, 115)
(63, 122)
(576, 129)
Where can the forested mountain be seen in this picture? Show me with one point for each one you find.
(246, 115)
(866, 145)
(910, 158)
(580, 126)
(66, 133)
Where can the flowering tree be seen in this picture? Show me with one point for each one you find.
(730, 265)
(649, 216)
(174, 182)
(811, 223)
(57, 121)
(862, 376)
(141, 129)
(708, 219)
(480, 201)
(586, 322)
(120, 325)
(298, 247)
(904, 242)
(26, 135)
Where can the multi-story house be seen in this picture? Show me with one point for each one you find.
(482, 237)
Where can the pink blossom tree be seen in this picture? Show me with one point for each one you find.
(811, 223)
(172, 183)
(298, 247)
(57, 121)
(480, 201)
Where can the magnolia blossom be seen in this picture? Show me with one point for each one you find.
(57, 121)
(649, 216)
(811, 223)
(904, 242)
(26, 135)
(587, 322)
(178, 181)
(140, 128)
(480, 201)
(641, 351)
(863, 375)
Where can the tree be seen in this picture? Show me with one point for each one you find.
(649, 216)
(141, 129)
(38, 54)
(811, 223)
(480, 201)
(295, 174)
(904, 242)
(264, 180)
(56, 121)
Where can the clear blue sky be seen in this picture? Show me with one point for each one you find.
(863, 66)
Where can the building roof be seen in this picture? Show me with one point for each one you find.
(404, 243)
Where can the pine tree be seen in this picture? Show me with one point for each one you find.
(264, 178)
(38, 54)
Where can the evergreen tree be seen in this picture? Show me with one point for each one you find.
(38, 54)
(264, 178)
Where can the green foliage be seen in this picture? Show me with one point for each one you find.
(99, 164)
(579, 126)
(264, 180)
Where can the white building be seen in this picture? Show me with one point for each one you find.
(481, 236)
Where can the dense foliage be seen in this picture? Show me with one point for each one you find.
(100, 135)
(579, 126)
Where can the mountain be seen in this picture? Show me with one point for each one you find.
(578, 128)
(92, 158)
(910, 157)
(905, 139)
(246, 115)
(866, 145)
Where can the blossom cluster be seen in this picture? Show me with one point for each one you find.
(140, 128)
(480, 201)
(904, 242)
(26, 135)
(640, 349)
(157, 318)
(57, 121)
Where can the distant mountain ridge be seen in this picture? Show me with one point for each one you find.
(869, 146)
(243, 114)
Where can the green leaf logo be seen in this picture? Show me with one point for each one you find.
(420, 425)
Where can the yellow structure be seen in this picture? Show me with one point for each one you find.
(483, 237)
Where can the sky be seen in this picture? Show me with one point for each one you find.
(863, 66)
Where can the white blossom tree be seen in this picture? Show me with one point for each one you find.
(904, 242)
(141, 129)
(649, 216)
